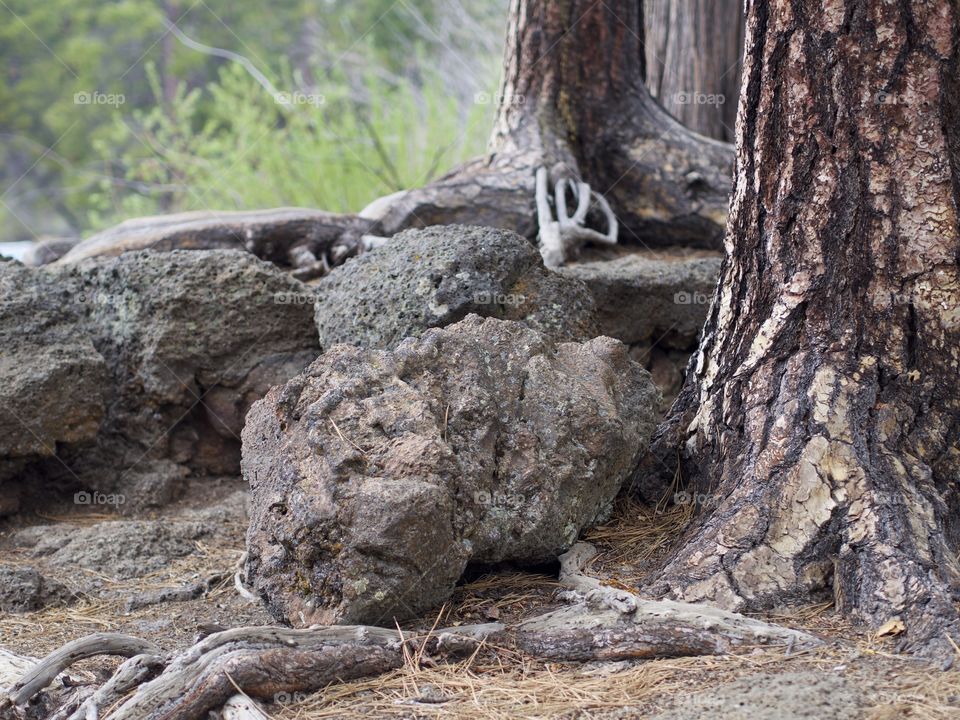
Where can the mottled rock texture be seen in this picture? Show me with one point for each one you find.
(137, 371)
(437, 276)
(377, 476)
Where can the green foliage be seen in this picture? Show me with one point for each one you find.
(170, 128)
(232, 145)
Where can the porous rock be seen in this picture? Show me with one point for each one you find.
(644, 300)
(190, 339)
(52, 379)
(377, 476)
(23, 589)
(438, 275)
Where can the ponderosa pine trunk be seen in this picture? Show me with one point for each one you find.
(819, 428)
(693, 50)
(573, 100)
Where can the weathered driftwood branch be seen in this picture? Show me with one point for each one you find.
(13, 667)
(261, 662)
(131, 674)
(560, 239)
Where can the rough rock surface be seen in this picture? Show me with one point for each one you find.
(436, 276)
(190, 340)
(136, 371)
(785, 696)
(118, 549)
(642, 300)
(656, 305)
(51, 376)
(377, 476)
(25, 590)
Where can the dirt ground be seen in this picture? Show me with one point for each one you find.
(110, 564)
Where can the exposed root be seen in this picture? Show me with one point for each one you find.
(561, 239)
(260, 662)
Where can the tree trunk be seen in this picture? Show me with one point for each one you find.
(818, 428)
(693, 54)
(573, 100)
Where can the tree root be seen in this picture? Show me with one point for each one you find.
(307, 241)
(560, 239)
(604, 623)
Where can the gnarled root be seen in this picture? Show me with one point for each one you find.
(262, 662)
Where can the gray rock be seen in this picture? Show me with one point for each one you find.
(786, 696)
(119, 548)
(377, 476)
(52, 379)
(436, 276)
(190, 340)
(25, 590)
(641, 300)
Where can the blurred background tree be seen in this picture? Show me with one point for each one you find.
(106, 113)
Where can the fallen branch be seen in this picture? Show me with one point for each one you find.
(305, 240)
(605, 623)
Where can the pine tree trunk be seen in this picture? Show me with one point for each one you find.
(693, 54)
(820, 422)
(573, 100)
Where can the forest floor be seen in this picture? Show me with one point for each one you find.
(855, 674)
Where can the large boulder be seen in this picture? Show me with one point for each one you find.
(437, 276)
(377, 476)
(190, 340)
(52, 379)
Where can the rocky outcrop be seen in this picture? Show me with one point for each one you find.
(190, 339)
(640, 299)
(377, 476)
(26, 590)
(51, 377)
(436, 276)
(130, 373)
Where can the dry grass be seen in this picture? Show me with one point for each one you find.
(492, 690)
(498, 683)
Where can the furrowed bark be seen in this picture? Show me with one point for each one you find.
(693, 53)
(819, 428)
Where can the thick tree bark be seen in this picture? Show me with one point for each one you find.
(573, 100)
(820, 421)
(693, 50)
